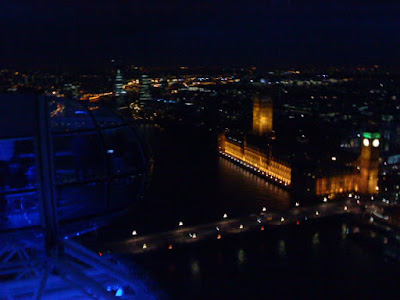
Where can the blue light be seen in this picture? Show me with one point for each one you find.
(110, 151)
(81, 112)
(119, 293)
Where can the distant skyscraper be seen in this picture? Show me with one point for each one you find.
(145, 86)
(119, 89)
(71, 90)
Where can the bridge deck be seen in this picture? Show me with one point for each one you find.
(229, 226)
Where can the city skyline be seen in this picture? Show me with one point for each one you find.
(199, 150)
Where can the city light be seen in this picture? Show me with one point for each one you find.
(91, 146)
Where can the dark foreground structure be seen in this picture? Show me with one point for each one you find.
(66, 169)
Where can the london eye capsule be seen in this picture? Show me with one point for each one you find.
(65, 168)
(94, 164)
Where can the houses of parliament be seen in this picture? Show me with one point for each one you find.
(255, 151)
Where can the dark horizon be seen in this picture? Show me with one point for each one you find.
(69, 35)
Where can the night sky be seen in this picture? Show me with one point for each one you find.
(87, 34)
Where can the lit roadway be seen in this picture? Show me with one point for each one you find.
(229, 226)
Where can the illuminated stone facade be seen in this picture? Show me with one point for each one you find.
(362, 178)
(263, 113)
(337, 184)
(261, 161)
(369, 163)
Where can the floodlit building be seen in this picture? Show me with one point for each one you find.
(362, 177)
(255, 151)
(263, 114)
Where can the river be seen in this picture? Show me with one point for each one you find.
(192, 184)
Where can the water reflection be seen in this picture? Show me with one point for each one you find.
(195, 268)
(315, 239)
(244, 182)
(345, 231)
(241, 257)
(198, 186)
(281, 248)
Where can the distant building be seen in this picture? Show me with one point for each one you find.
(255, 152)
(362, 178)
(145, 88)
(71, 90)
(119, 89)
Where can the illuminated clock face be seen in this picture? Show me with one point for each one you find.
(366, 142)
(375, 143)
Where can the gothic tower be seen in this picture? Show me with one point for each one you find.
(263, 112)
(369, 163)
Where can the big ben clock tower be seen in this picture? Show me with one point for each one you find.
(369, 163)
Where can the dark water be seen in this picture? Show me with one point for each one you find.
(314, 261)
(191, 183)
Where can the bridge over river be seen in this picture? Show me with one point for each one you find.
(170, 240)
